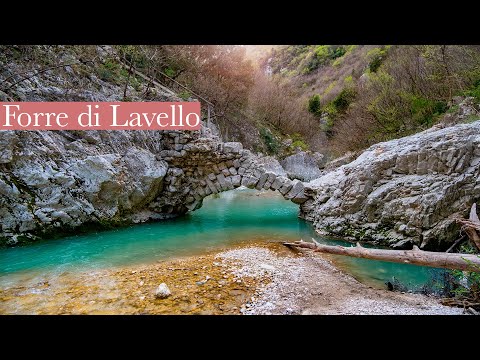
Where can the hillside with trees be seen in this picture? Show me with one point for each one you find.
(281, 99)
(361, 95)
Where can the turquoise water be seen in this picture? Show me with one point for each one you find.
(234, 217)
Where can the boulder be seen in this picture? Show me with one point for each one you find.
(302, 166)
(232, 147)
(272, 165)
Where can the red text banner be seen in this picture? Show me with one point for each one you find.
(100, 116)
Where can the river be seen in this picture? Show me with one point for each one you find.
(231, 218)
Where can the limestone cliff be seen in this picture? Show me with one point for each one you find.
(53, 181)
(406, 189)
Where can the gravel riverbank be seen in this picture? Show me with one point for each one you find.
(309, 284)
(253, 279)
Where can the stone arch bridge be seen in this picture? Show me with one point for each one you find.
(57, 181)
(208, 166)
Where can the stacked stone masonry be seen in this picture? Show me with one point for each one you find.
(55, 181)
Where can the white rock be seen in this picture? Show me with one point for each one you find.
(162, 291)
(267, 267)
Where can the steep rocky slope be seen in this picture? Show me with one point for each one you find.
(406, 189)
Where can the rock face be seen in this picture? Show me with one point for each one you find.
(271, 164)
(58, 181)
(409, 188)
(49, 181)
(301, 166)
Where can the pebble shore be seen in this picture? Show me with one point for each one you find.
(253, 279)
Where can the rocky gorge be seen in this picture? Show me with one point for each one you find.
(405, 191)
(397, 193)
(56, 180)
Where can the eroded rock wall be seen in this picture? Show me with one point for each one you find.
(53, 181)
(406, 189)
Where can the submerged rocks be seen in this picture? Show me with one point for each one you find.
(406, 189)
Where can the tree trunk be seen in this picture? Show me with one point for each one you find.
(128, 81)
(465, 262)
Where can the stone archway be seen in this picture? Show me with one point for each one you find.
(207, 166)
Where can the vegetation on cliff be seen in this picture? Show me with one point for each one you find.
(275, 99)
(362, 95)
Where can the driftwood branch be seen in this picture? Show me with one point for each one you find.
(472, 226)
(465, 262)
(462, 238)
(473, 215)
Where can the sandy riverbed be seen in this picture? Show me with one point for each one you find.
(253, 279)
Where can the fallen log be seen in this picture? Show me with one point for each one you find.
(465, 262)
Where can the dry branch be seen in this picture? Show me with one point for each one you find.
(465, 262)
(472, 226)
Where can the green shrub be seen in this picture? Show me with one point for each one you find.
(314, 105)
(296, 136)
(375, 58)
(299, 144)
(424, 111)
(453, 109)
(466, 284)
(331, 110)
(298, 141)
(109, 71)
(184, 95)
(322, 55)
(337, 52)
(338, 61)
(344, 99)
(270, 141)
(322, 52)
(169, 72)
(350, 48)
(375, 64)
(133, 55)
(474, 91)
